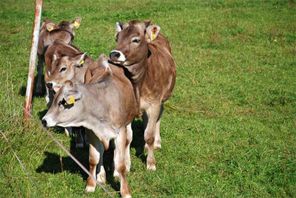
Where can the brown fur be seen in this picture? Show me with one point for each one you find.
(152, 71)
(63, 32)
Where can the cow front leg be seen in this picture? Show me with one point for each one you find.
(39, 75)
(120, 162)
(94, 158)
(149, 135)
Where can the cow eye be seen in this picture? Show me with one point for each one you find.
(63, 69)
(136, 40)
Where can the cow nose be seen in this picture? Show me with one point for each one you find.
(114, 55)
(44, 123)
(49, 85)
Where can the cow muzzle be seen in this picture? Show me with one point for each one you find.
(117, 57)
(48, 122)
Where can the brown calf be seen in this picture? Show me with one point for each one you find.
(146, 54)
(49, 33)
(106, 105)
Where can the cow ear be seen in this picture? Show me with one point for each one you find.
(118, 26)
(147, 23)
(79, 60)
(152, 32)
(50, 26)
(70, 94)
(76, 22)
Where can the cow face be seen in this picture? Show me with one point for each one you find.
(66, 109)
(64, 69)
(132, 42)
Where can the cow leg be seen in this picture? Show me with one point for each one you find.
(128, 143)
(101, 176)
(79, 142)
(39, 75)
(157, 140)
(94, 158)
(120, 161)
(149, 135)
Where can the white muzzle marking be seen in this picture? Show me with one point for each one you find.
(122, 57)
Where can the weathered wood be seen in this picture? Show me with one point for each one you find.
(32, 63)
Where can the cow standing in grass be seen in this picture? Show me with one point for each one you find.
(49, 33)
(107, 106)
(146, 54)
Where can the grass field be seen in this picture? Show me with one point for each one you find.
(228, 131)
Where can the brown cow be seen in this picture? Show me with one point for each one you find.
(106, 105)
(146, 54)
(52, 55)
(80, 69)
(49, 33)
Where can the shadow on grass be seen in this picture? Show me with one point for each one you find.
(54, 163)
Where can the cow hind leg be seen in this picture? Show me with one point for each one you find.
(120, 162)
(149, 134)
(157, 140)
(94, 158)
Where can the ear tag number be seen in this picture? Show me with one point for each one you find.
(71, 100)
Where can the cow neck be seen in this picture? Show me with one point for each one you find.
(69, 32)
(138, 71)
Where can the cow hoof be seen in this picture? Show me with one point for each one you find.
(101, 176)
(90, 189)
(151, 167)
(127, 196)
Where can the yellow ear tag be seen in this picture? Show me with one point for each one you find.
(81, 62)
(76, 24)
(153, 36)
(71, 100)
(50, 28)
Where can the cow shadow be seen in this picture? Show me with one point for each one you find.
(53, 163)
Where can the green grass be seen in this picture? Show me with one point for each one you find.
(228, 131)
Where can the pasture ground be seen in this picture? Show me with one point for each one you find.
(228, 131)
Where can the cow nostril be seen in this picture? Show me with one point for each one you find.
(44, 123)
(114, 55)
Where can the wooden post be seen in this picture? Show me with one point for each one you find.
(32, 63)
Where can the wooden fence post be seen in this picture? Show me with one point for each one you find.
(32, 63)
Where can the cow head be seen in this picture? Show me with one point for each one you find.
(132, 42)
(66, 108)
(66, 68)
(49, 26)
